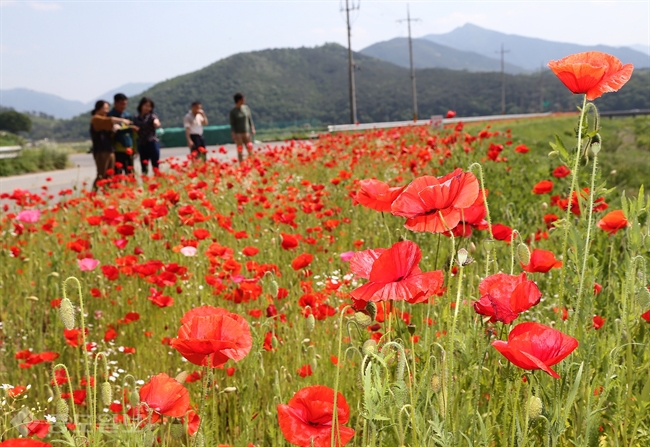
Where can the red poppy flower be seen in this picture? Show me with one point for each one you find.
(307, 419)
(541, 261)
(289, 241)
(24, 443)
(543, 187)
(502, 232)
(646, 316)
(504, 297)
(593, 73)
(250, 251)
(561, 172)
(210, 336)
(522, 149)
(434, 204)
(613, 221)
(535, 346)
(165, 396)
(377, 195)
(450, 114)
(394, 274)
(38, 428)
(301, 261)
(598, 322)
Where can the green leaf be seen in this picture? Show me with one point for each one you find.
(559, 146)
(571, 397)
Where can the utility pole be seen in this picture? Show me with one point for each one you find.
(408, 20)
(503, 80)
(353, 98)
(541, 87)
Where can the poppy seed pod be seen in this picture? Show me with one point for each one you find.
(523, 254)
(107, 393)
(66, 312)
(535, 407)
(411, 329)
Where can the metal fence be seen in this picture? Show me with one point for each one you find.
(10, 151)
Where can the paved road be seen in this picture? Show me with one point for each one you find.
(83, 173)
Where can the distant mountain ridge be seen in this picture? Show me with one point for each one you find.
(27, 100)
(528, 53)
(428, 54)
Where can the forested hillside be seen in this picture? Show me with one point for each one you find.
(287, 85)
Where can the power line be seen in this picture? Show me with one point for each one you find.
(503, 80)
(353, 99)
(408, 20)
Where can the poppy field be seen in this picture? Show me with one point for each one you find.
(395, 287)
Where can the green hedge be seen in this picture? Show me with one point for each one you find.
(34, 160)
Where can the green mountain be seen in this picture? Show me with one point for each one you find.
(287, 85)
(428, 54)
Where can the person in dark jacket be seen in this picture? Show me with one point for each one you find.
(102, 127)
(241, 126)
(123, 137)
(148, 147)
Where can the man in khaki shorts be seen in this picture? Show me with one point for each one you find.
(241, 126)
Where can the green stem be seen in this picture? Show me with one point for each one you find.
(450, 349)
(574, 183)
(91, 405)
(585, 256)
(333, 441)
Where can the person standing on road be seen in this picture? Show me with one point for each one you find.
(123, 138)
(193, 123)
(148, 147)
(101, 135)
(241, 126)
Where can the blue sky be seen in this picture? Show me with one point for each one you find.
(80, 49)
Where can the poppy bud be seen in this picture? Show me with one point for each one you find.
(553, 154)
(369, 347)
(595, 148)
(148, 438)
(535, 407)
(177, 430)
(134, 398)
(314, 363)
(523, 253)
(273, 288)
(371, 308)
(311, 323)
(180, 378)
(62, 411)
(66, 312)
(274, 342)
(400, 392)
(230, 389)
(276, 383)
(411, 329)
(362, 319)
(107, 394)
(643, 297)
(462, 256)
(436, 383)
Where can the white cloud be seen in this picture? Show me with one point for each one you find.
(44, 6)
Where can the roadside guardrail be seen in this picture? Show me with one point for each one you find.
(633, 112)
(10, 151)
(434, 119)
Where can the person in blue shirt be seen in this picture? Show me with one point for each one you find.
(123, 138)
